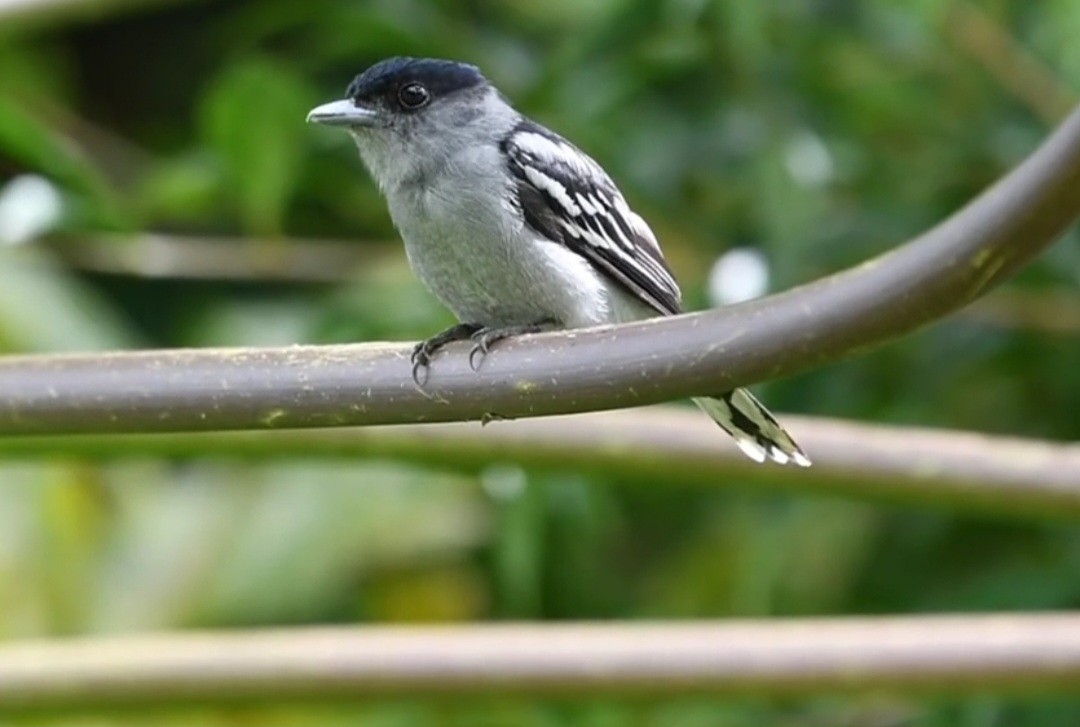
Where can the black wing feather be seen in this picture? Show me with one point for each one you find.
(566, 197)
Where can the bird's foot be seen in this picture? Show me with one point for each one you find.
(485, 338)
(423, 351)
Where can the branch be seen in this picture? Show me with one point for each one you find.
(1014, 477)
(1015, 68)
(950, 655)
(155, 255)
(1050, 312)
(610, 367)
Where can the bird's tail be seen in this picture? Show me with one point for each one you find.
(754, 429)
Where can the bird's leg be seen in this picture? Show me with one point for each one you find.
(423, 351)
(487, 337)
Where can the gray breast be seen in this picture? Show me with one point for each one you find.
(471, 248)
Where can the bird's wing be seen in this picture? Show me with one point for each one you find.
(566, 196)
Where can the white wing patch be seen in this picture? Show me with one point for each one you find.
(639, 225)
(587, 206)
(546, 184)
(557, 151)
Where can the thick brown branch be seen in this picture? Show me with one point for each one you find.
(611, 367)
(932, 655)
(1014, 477)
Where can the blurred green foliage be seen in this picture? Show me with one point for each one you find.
(820, 132)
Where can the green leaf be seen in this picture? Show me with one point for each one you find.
(253, 118)
(30, 140)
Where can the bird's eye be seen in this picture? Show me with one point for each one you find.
(413, 96)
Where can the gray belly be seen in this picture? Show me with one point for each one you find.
(487, 267)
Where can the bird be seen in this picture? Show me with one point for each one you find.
(513, 228)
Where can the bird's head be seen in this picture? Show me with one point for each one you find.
(408, 112)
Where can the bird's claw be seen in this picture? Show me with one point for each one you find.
(420, 360)
(485, 338)
(481, 347)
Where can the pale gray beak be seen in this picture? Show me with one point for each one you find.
(343, 113)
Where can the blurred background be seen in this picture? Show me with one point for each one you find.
(158, 187)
